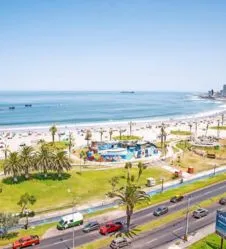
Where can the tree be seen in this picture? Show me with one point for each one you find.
(110, 133)
(222, 119)
(114, 181)
(190, 127)
(218, 128)
(101, 131)
(61, 162)
(131, 124)
(207, 127)
(27, 159)
(141, 168)
(7, 221)
(120, 133)
(44, 159)
(130, 194)
(163, 136)
(6, 150)
(12, 165)
(53, 130)
(70, 143)
(26, 200)
(88, 136)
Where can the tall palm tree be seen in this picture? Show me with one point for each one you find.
(88, 136)
(101, 131)
(71, 141)
(131, 124)
(12, 165)
(53, 130)
(27, 159)
(120, 133)
(141, 168)
(6, 150)
(218, 128)
(44, 159)
(110, 133)
(61, 162)
(207, 127)
(190, 127)
(130, 195)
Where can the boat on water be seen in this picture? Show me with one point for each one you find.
(127, 92)
(11, 107)
(28, 105)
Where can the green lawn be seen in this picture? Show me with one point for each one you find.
(220, 127)
(210, 242)
(127, 138)
(90, 185)
(179, 132)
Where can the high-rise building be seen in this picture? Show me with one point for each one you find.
(224, 91)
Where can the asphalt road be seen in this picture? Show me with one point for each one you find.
(152, 239)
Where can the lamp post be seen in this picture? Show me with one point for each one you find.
(73, 210)
(26, 222)
(131, 124)
(162, 182)
(187, 220)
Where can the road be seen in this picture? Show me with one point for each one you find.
(153, 238)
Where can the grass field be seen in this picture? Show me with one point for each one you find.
(90, 185)
(220, 127)
(210, 242)
(180, 133)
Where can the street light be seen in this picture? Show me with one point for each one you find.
(162, 182)
(187, 220)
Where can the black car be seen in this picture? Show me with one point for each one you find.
(160, 211)
(91, 226)
(222, 201)
(177, 198)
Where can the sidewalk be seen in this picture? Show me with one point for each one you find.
(194, 237)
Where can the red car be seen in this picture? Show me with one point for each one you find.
(26, 241)
(110, 227)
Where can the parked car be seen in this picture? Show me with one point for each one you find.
(222, 201)
(199, 213)
(177, 198)
(2, 232)
(26, 241)
(119, 243)
(160, 211)
(70, 220)
(111, 227)
(91, 226)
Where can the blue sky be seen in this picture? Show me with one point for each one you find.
(112, 45)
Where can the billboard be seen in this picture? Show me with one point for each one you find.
(221, 223)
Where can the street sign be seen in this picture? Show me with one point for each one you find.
(221, 223)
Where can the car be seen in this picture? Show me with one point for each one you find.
(177, 198)
(222, 201)
(160, 211)
(200, 212)
(119, 243)
(26, 241)
(2, 232)
(110, 227)
(91, 226)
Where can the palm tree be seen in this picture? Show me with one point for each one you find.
(27, 159)
(70, 143)
(163, 135)
(141, 168)
(13, 166)
(6, 150)
(207, 127)
(222, 119)
(130, 195)
(53, 130)
(190, 127)
(110, 133)
(120, 133)
(218, 128)
(61, 162)
(101, 131)
(131, 124)
(41, 141)
(88, 136)
(44, 159)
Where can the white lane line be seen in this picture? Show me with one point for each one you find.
(178, 229)
(149, 242)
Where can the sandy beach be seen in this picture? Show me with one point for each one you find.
(15, 137)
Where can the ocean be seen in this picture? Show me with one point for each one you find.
(64, 108)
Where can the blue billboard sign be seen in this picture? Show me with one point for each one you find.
(221, 223)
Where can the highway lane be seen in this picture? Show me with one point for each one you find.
(159, 237)
(138, 218)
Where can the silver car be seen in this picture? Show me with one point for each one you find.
(199, 213)
(119, 243)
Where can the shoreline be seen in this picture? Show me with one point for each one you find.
(119, 123)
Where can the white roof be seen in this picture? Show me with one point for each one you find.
(73, 216)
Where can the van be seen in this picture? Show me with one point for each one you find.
(70, 220)
(119, 243)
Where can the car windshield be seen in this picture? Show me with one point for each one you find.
(159, 209)
(61, 222)
(88, 225)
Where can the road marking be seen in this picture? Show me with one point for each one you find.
(178, 229)
(149, 242)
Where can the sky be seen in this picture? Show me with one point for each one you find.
(150, 45)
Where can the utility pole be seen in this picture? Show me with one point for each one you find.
(162, 181)
(214, 169)
(218, 128)
(222, 243)
(187, 220)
